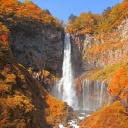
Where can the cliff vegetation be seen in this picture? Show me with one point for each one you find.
(24, 103)
(110, 116)
(95, 23)
(104, 51)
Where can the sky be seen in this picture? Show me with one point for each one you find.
(63, 8)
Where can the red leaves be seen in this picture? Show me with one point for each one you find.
(4, 38)
(125, 4)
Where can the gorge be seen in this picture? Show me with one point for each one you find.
(84, 68)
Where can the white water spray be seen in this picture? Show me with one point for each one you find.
(94, 94)
(66, 89)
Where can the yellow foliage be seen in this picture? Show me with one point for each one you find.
(45, 73)
(10, 78)
(55, 109)
(15, 102)
(94, 23)
(107, 72)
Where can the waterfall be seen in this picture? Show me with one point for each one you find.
(86, 94)
(103, 92)
(94, 94)
(65, 88)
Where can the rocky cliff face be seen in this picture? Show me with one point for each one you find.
(105, 58)
(24, 102)
(106, 49)
(76, 54)
(98, 51)
(37, 37)
(41, 50)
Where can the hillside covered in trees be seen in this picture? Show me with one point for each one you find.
(32, 37)
(13, 12)
(102, 41)
(24, 103)
(97, 24)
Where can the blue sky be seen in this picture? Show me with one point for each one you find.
(63, 8)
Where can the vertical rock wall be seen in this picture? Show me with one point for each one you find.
(76, 54)
(41, 50)
(97, 51)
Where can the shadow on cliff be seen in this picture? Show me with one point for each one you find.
(76, 54)
(20, 84)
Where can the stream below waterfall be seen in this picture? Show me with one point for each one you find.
(82, 114)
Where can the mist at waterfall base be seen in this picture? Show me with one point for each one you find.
(94, 94)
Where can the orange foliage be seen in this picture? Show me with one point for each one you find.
(14, 11)
(4, 32)
(93, 23)
(3, 89)
(94, 49)
(119, 83)
(3, 121)
(113, 116)
(4, 38)
(126, 4)
(16, 102)
(55, 108)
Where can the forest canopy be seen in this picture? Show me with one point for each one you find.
(13, 12)
(95, 23)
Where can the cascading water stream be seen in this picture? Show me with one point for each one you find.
(103, 92)
(86, 94)
(66, 90)
(94, 94)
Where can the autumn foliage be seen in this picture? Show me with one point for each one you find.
(4, 33)
(85, 23)
(57, 110)
(119, 83)
(15, 13)
(113, 116)
(95, 23)
(24, 103)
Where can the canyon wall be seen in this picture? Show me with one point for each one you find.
(76, 54)
(36, 37)
(41, 50)
(98, 51)
(106, 49)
